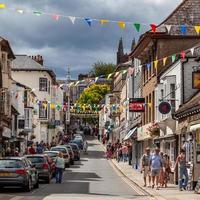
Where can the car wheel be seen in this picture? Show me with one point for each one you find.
(28, 187)
(78, 158)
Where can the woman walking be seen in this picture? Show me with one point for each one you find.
(60, 166)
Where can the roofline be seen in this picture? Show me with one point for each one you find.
(8, 45)
(49, 71)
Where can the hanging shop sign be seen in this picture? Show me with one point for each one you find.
(164, 107)
(196, 80)
(136, 105)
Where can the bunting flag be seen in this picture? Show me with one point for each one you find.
(156, 64)
(77, 83)
(173, 58)
(124, 71)
(183, 29)
(164, 61)
(89, 21)
(150, 105)
(52, 106)
(183, 54)
(72, 19)
(2, 6)
(104, 21)
(59, 107)
(117, 73)
(153, 27)
(109, 75)
(197, 29)
(37, 13)
(148, 66)
(192, 51)
(20, 11)
(96, 79)
(137, 26)
(121, 24)
(45, 105)
(56, 17)
(168, 27)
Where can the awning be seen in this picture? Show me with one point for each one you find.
(130, 133)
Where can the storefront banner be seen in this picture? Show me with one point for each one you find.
(136, 105)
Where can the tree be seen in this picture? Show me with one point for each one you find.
(93, 94)
(102, 69)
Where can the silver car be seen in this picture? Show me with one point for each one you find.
(18, 171)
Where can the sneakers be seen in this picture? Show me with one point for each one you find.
(152, 186)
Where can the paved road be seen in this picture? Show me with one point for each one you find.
(93, 177)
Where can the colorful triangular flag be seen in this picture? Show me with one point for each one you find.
(156, 64)
(124, 71)
(137, 26)
(72, 19)
(2, 6)
(56, 17)
(20, 11)
(197, 29)
(104, 21)
(183, 54)
(192, 51)
(153, 27)
(173, 58)
(183, 29)
(164, 61)
(89, 21)
(109, 75)
(121, 24)
(148, 66)
(37, 13)
(168, 27)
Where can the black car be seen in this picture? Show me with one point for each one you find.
(18, 171)
(76, 151)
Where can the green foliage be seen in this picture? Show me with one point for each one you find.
(101, 68)
(93, 94)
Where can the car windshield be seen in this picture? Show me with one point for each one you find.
(63, 150)
(11, 164)
(36, 159)
(51, 154)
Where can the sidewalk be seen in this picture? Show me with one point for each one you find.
(170, 193)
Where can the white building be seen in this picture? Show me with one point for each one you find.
(31, 72)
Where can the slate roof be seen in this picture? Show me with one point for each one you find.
(24, 61)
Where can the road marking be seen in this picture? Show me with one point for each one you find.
(17, 198)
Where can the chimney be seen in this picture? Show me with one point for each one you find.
(38, 59)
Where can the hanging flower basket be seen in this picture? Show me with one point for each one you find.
(32, 137)
(154, 130)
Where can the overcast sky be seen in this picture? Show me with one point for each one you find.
(63, 44)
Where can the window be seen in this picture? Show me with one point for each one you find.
(21, 123)
(43, 84)
(49, 87)
(173, 97)
(42, 111)
(28, 118)
(4, 62)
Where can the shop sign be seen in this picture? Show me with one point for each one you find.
(136, 105)
(164, 107)
(198, 139)
(193, 118)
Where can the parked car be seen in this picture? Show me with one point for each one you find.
(79, 142)
(42, 165)
(76, 151)
(71, 153)
(65, 152)
(18, 171)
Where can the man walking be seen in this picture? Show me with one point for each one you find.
(182, 169)
(145, 167)
(155, 167)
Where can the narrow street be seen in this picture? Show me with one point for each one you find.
(92, 178)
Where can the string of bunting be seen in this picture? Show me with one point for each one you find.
(90, 21)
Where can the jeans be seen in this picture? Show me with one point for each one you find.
(125, 157)
(59, 173)
(183, 173)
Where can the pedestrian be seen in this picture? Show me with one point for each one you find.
(125, 152)
(39, 149)
(130, 155)
(161, 176)
(16, 153)
(155, 167)
(182, 170)
(146, 167)
(60, 166)
(31, 150)
(8, 152)
(166, 169)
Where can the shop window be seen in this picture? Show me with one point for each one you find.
(42, 111)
